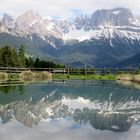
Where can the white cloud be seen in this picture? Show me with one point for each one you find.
(64, 8)
(62, 130)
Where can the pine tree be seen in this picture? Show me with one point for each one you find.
(21, 57)
(8, 56)
(31, 63)
(37, 63)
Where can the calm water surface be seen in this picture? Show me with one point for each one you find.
(73, 110)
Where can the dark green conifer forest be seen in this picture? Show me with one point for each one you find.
(10, 57)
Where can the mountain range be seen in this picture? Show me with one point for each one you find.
(107, 38)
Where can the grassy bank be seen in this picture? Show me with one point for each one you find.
(25, 76)
(129, 77)
(83, 77)
(35, 76)
(38, 76)
(3, 76)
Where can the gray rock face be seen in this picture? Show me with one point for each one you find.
(7, 19)
(113, 17)
(83, 22)
(24, 22)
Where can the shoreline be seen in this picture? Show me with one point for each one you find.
(84, 77)
(129, 77)
(25, 76)
(43, 75)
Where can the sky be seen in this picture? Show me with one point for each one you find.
(64, 8)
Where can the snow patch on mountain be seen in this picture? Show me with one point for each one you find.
(111, 43)
(33, 23)
(103, 23)
(78, 35)
(136, 22)
(116, 12)
(107, 33)
(50, 27)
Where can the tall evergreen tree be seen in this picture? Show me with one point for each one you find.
(29, 62)
(8, 56)
(21, 57)
(37, 63)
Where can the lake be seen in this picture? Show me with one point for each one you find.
(70, 110)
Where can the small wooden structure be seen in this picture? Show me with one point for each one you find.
(84, 71)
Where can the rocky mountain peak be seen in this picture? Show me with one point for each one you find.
(31, 14)
(23, 23)
(82, 22)
(112, 17)
(6, 19)
(30, 17)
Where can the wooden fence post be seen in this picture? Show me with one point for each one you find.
(85, 70)
(68, 71)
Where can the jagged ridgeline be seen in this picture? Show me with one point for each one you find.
(107, 38)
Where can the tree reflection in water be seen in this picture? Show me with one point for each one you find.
(102, 106)
(104, 121)
(8, 89)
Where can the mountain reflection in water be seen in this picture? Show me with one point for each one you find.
(102, 105)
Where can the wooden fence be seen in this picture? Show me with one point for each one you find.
(84, 71)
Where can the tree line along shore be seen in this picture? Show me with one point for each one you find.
(10, 57)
